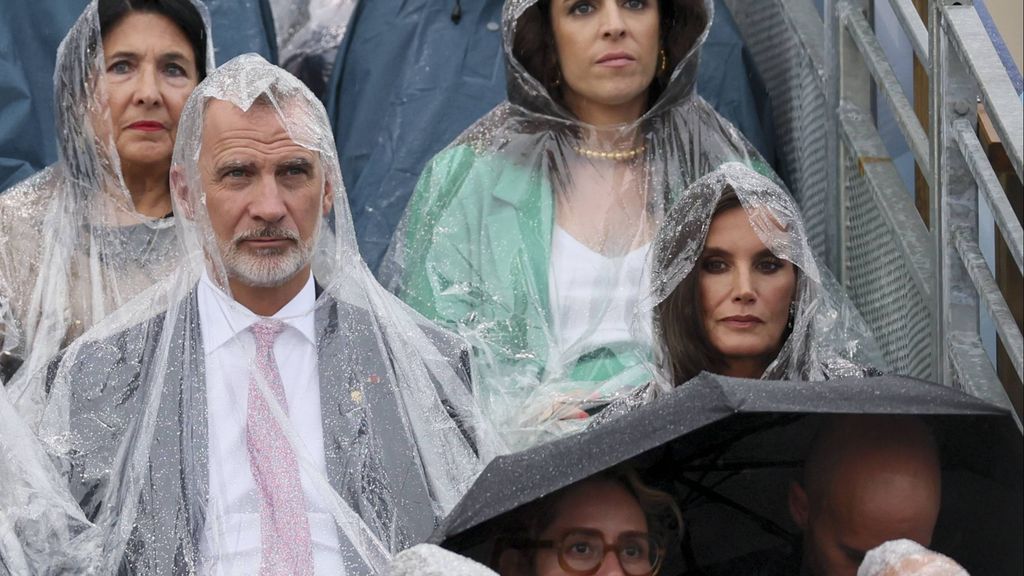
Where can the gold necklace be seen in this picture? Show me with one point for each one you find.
(611, 155)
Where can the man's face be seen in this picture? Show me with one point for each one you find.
(842, 527)
(265, 194)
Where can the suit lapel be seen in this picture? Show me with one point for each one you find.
(191, 379)
(366, 441)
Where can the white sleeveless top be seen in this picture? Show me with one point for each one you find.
(593, 297)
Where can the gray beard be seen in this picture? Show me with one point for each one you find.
(267, 267)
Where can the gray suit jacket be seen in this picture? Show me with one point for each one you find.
(372, 462)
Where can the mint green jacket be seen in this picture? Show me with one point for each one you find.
(478, 244)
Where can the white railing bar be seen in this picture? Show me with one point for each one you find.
(1003, 212)
(985, 284)
(914, 28)
(882, 72)
(1002, 103)
(901, 217)
(808, 29)
(975, 372)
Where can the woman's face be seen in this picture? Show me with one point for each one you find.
(745, 292)
(594, 507)
(607, 53)
(150, 72)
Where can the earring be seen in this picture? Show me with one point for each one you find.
(792, 316)
(663, 62)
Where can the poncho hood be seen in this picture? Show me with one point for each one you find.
(682, 42)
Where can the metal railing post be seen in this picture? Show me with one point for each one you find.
(832, 74)
(954, 193)
(852, 83)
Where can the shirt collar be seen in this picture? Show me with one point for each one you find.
(224, 318)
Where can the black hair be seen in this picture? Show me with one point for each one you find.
(183, 13)
(681, 23)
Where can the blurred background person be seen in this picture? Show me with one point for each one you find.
(93, 230)
(866, 481)
(608, 523)
(529, 235)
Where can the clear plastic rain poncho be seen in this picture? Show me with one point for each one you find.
(529, 235)
(827, 338)
(159, 452)
(72, 246)
(309, 33)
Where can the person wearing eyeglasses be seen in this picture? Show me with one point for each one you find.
(607, 524)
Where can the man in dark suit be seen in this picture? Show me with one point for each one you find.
(251, 417)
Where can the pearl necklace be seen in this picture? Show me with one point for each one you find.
(612, 155)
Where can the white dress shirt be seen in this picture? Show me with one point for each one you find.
(230, 542)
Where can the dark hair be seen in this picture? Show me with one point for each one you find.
(680, 319)
(182, 12)
(534, 43)
(664, 519)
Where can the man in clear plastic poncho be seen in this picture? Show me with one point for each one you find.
(93, 230)
(247, 416)
(530, 234)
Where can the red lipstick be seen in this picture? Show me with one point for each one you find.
(147, 126)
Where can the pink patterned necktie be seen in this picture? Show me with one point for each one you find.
(284, 525)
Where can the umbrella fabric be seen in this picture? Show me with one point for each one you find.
(714, 426)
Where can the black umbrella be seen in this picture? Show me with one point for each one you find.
(729, 447)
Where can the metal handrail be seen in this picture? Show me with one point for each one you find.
(969, 359)
(914, 241)
(982, 170)
(882, 72)
(962, 65)
(1001, 101)
(987, 288)
(914, 28)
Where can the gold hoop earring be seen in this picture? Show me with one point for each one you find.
(663, 62)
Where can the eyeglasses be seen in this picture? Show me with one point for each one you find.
(581, 552)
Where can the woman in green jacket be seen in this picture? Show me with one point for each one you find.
(529, 235)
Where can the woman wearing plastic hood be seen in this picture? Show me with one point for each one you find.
(738, 292)
(249, 414)
(93, 230)
(530, 233)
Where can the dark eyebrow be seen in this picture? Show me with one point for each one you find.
(766, 253)
(174, 56)
(123, 54)
(714, 251)
(297, 163)
(232, 165)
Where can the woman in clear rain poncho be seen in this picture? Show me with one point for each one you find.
(162, 415)
(736, 290)
(529, 235)
(93, 230)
